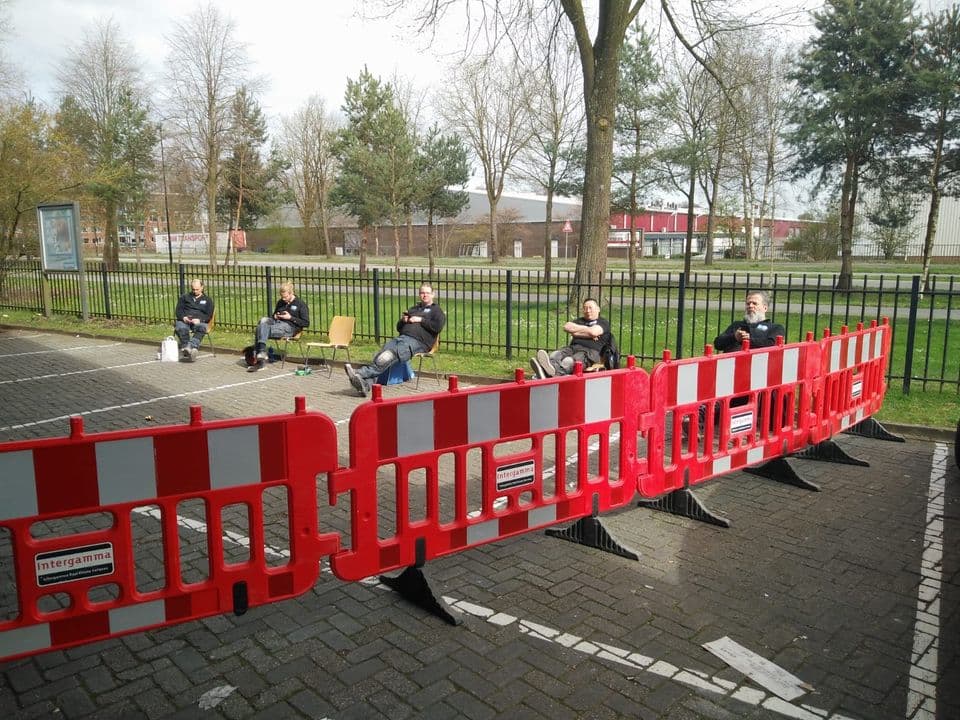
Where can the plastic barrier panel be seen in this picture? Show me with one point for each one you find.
(852, 384)
(713, 414)
(119, 532)
(437, 474)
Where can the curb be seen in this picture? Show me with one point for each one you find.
(920, 432)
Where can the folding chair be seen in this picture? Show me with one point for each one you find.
(298, 339)
(210, 324)
(339, 337)
(432, 354)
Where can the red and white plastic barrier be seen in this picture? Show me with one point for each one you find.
(852, 380)
(506, 427)
(466, 467)
(70, 505)
(725, 412)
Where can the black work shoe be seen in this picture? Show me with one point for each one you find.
(256, 366)
(358, 384)
(537, 370)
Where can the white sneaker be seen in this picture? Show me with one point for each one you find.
(192, 354)
(538, 372)
(544, 359)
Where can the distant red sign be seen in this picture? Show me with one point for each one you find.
(567, 227)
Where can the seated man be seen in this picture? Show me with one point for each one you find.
(418, 327)
(290, 316)
(754, 327)
(591, 342)
(194, 310)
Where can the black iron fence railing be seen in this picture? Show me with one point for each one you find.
(512, 313)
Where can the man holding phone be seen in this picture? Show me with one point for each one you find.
(290, 316)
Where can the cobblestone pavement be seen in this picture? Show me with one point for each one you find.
(855, 590)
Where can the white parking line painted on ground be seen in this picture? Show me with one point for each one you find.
(634, 661)
(59, 350)
(218, 388)
(34, 378)
(641, 663)
(922, 691)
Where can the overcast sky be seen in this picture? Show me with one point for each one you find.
(301, 47)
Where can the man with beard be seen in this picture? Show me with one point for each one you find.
(754, 327)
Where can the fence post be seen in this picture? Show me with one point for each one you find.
(376, 305)
(106, 290)
(509, 337)
(681, 299)
(911, 333)
(268, 295)
(181, 278)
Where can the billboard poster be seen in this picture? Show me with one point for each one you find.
(59, 237)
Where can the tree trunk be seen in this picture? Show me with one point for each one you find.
(600, 61)
(692, 191)
(547, 233)
(364, 234)
(848, 204)
(211, 189)
(935, 194)
(324, 232)
(111, 244)
(494, 239)
(396, 248)
(431, 260)
(409, 234)
(930, 235)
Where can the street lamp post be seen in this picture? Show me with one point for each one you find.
(166, 206)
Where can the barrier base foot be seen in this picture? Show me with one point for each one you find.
(413, 587)
(589, 531)
(829, 451)
(870, 428)
(780, 470)
(684, 503)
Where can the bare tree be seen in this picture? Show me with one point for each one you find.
(600, 32)
(487, 103)
(549, 161)
(104, 111)
(205, 68)
(759, 104)
(306, 143)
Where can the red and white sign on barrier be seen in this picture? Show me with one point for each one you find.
(471, 467)
(853, 378)
(92, 519)
(725, 412)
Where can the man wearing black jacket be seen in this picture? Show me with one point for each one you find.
(290, 316)
(754, 327)
(194, 310)
(418, 327)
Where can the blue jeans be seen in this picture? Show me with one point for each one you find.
(269, 328)
(396, 350)
(182, 331)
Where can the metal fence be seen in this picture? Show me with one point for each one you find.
(512, 313)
